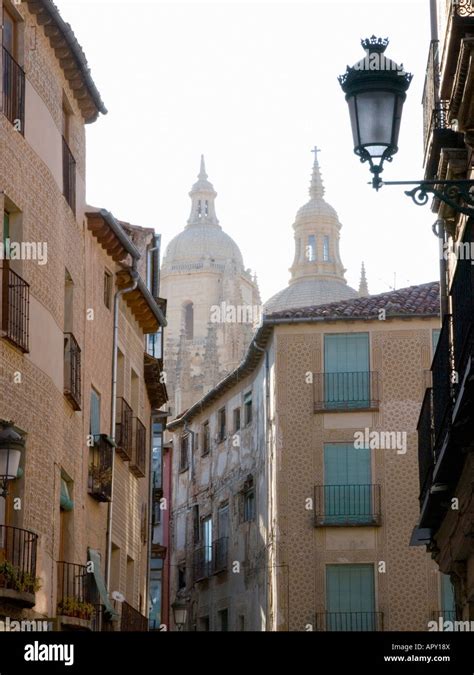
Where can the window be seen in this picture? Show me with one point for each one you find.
(206, 535)
(346, 371)
(249, 505)
(184, 454)
(9, 32)
(248, 408)
(94, 426)
(221, 425)
(223, 521)
(108, 279)
(435, 333)
(13, 75)
(189, 321)
(223, 620)
(69, 163)
(65, 501)
(154, 344)
(311, 248)
(181, 576)
(325, 248)
(347, 484)
(203, 623)
(156, 574)
(206, 438)
(196, 524)
(130, 581)
(350, 598)
(448, 605)
(236, 419)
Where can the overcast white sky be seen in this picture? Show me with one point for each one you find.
(253, 86)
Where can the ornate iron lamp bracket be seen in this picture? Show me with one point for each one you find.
(458, 194)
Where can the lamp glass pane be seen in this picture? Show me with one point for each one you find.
(9, 463)
(375, 113)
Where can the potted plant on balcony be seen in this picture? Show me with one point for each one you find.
(73, 607)
(18, 580)
(100, 477)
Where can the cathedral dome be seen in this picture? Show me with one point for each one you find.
(198, 243)
(203, 239)
(317, 273)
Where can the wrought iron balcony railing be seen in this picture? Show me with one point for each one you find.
(220, 551)
(425, 431)
(132, 619)
(435, 110)
(74, 591)
(69, 176)
(72, 370)
(13, 91)
(138, 460)
(349, 621)
(100, 469)
(347, 505)
(15, 309)
(441, 369)
(346, 391)
(462, 294)
(124, 429)
(208, 560)
(18, 559)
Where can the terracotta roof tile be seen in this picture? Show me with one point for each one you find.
(414, 300)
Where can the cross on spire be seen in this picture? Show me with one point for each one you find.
(316, 188)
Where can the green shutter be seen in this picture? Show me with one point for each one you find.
(350, 597)
(95, 413)
(347, 484)
(346, 368)
(447, 596)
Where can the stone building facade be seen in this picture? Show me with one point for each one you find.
(296, 486)
(213, 302)
(446, 441)
(74, 526)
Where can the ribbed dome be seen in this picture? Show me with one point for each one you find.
(317, 273)
(308, 292)
(203, 238)
(197, 243)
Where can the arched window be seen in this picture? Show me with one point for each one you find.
(189, 320)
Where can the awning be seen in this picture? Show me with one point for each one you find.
(65, 499)
(94, 557)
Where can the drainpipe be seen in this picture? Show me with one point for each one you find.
(269, 481)
(113, 411)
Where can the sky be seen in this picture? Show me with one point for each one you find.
(253, 86)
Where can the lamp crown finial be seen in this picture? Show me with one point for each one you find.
(375, 44)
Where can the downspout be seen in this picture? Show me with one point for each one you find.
(113, 411)
(268, 577)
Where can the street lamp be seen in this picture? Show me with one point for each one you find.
(11, 447)
(180, 614)
(375, 89)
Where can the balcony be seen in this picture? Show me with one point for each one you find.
(69, 177)
(138, 461)
(202, 563)
(18, 581)
(132, 620)
(347, 505)
(220, 555)
(72, 371)
(208, 560)
(437, 133)
(425, 431)
(462, 294)
(441, 370)
(124, 430)
(13, 91)
(349, 621)
(15, 309)
(100, 469)
(75, 610)
(346, 392)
